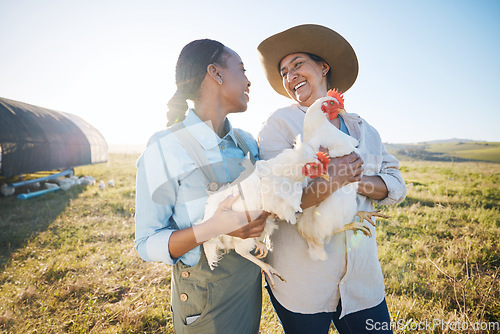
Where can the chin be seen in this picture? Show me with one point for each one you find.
(300, 99)
(239, 109)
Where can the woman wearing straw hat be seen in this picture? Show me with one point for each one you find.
(201, 150)
(302, 63)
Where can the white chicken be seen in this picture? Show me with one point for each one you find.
(275, 186)
(336, 213)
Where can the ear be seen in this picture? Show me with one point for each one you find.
(325, 68)
(213, 72)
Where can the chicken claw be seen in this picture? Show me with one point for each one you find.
(270, 271)
(265, 268)
(366, 215)
(358, 226)
(261, 250)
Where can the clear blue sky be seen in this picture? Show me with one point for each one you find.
(429, 69)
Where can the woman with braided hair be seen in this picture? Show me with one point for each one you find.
(200, 150)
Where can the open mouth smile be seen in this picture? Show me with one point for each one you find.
(299, 85)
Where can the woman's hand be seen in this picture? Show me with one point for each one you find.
(342, 171)
(253, 229)
(224, 221)
(237, 224)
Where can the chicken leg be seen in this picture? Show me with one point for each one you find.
(266, 268)
(366, 215)
(361, 225)
(261, 250)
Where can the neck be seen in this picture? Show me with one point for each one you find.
(336, 122)
(319, 94)
(213, 115)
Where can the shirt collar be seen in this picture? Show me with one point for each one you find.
(203, 133)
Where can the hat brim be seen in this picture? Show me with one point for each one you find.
(315, 39)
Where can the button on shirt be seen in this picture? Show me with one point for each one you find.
(171, 190)
(352, 271)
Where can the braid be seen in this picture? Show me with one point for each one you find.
(189, 73)
(177, 107)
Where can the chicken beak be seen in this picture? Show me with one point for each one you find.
(326, 177)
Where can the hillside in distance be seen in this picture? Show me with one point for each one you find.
(447, 150)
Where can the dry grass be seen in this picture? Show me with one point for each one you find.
(69, 264)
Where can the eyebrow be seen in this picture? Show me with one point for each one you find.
(294, 59)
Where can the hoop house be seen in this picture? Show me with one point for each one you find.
(36, 139)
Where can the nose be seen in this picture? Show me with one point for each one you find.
(291, 75)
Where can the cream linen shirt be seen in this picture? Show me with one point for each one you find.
(352, 272)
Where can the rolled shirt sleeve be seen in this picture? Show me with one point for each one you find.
(393, 179)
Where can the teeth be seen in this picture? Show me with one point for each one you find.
(300, 85)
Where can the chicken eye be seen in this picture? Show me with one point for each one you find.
(332, 103)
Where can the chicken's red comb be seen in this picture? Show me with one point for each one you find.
(323, 158)
(336, 95)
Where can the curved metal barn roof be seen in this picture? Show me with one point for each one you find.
(36, 139)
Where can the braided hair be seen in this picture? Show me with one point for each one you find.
(189, 73)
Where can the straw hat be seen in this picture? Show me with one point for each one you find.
(315, 39)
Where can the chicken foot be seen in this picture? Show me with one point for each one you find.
(367, 215)
(357, 226)
(361, 225)
(266, 268)
(261, 250)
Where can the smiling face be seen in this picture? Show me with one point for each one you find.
(235, 88)
(303, 78)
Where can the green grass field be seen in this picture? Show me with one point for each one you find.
(68, 263)
(448, 151)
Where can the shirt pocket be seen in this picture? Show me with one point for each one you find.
(372, 163)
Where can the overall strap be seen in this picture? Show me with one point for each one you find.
(243, 146)
(197, 154)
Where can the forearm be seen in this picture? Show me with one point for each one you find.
(222, 222)
(182, 241)
(373, 187)
(318, 190)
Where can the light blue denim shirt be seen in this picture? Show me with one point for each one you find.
(170, 188)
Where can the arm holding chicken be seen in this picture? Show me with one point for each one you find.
(373, 187)
(224, 221)
(369, 186)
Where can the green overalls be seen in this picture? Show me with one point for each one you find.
(225, 300)
(228, 298)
